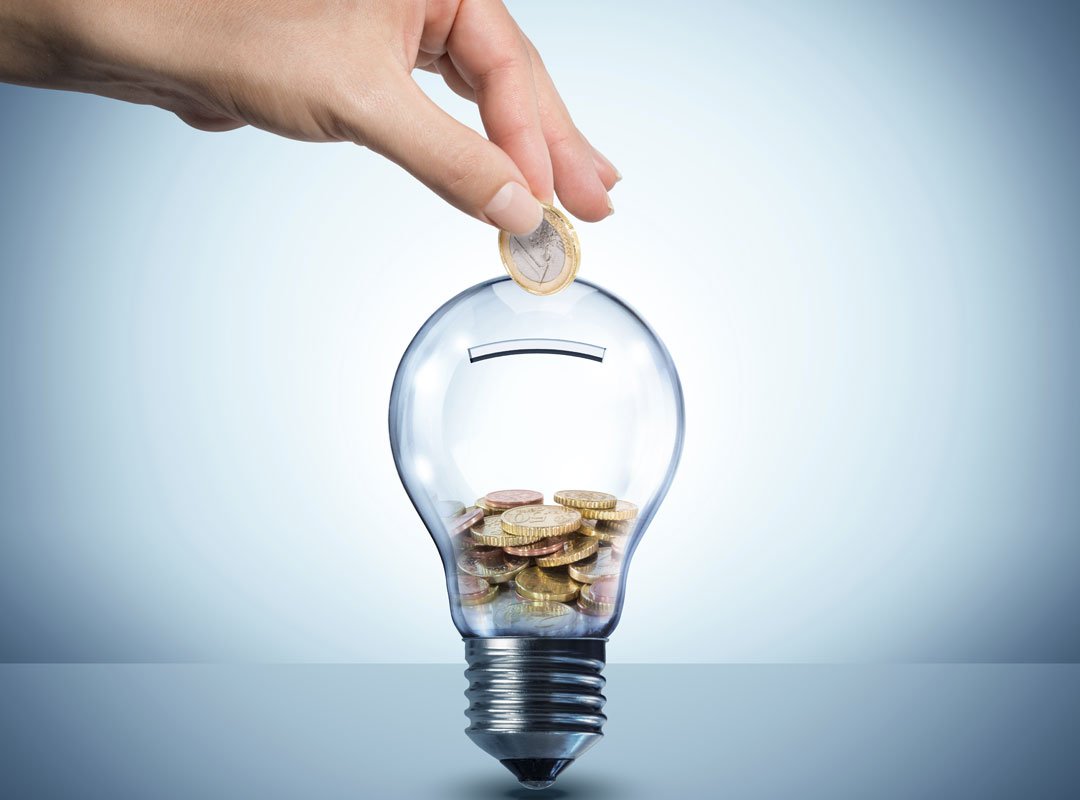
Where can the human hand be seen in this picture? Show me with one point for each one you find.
(333, 70)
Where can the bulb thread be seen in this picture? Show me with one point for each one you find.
(532, 685)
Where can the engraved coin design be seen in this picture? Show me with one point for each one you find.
(543, 520)
(577, 498)
(546, 260)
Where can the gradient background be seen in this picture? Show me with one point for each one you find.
(855, 226)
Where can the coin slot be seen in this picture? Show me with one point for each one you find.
(559, 347)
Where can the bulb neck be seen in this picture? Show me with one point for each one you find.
(535, 703)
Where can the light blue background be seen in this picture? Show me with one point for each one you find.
(854, 225)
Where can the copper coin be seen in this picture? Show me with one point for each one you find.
(485, 554)
(462, 522)
(542, 548)
(605, 590)
(511, 498)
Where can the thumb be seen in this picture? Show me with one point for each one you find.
(452, 159)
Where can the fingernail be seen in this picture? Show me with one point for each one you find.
(602, 161)
(610, 206)
(515, 210)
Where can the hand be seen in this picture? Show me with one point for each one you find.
(335, 70)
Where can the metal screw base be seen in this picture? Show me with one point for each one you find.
(535, 703)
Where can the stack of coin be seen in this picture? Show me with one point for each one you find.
(550, 562)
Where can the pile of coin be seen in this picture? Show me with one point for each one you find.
(555, 560)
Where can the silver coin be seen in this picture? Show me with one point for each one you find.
(541, 255)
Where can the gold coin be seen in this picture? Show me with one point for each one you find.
(592, 569)
(616, 527)
(576, 549)
(482, 504)
(537, 583)
(590, 528)
(579, 498)
(546, 260)
(489, 531)
(543, 520)
(623, 509)
(493, 568)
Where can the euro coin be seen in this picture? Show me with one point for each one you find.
(594, 568)
(489, 531)
(576, 549)
(493, 569)
(543, 520)
(589, 527)
(618, 527)
(539, 615)
(537, 583)
(476, 591)
(479, 599)
(597, 598)
(579, 498)
(546, 260)
(623, 510)
(510, 498)
(543, 547)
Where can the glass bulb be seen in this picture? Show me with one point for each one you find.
(504, 390)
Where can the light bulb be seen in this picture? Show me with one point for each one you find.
(504, 390)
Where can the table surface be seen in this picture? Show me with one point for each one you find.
(395, 731)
